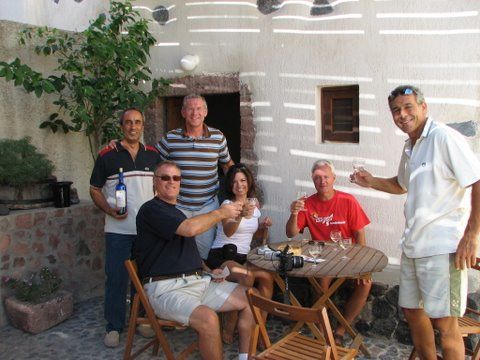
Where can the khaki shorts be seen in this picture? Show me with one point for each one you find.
(175, 299)
(433, 284)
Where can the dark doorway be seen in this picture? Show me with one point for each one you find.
(223, 114)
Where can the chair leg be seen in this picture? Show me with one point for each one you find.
(476, 352)
(131, 328)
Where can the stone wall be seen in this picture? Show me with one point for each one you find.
(69, 241)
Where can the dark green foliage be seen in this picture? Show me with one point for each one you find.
(33, 290)
(21, 164)
(98, 74)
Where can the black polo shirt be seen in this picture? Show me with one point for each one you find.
(159, 250)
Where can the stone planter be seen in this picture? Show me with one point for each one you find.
(29, 197)
(35, 318)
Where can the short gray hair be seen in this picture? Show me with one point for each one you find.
(322, 162)
(166, 163)
(193, 96)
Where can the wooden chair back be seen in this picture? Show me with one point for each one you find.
(294, 345)
(140, 301)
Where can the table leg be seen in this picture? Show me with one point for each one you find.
(325, 300)
(294, 301)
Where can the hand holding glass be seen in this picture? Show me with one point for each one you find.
(302, 196)
(251, 204)
(358, 165)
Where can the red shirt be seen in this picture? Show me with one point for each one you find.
(342, 212)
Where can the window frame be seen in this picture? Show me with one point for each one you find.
(330, 93)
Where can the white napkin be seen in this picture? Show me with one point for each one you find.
(311, 260)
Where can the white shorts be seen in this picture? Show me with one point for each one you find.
(175, 299)
(433, 284)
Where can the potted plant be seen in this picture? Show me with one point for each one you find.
(101, 71)
(37, 303)
(25, 175)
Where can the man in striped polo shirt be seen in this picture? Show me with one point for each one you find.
(198, 149)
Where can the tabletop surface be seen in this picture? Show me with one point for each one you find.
(362, 260)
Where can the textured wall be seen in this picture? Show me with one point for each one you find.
(22, 113)
(62, 14)
(285, 56)
(70, 241)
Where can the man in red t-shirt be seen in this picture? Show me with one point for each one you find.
(329, 210)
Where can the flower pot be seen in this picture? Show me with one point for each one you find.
(35, 318)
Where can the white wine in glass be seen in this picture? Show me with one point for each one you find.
(315, 251)
(346, 243)
(302, 195)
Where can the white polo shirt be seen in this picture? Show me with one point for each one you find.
(436, 173)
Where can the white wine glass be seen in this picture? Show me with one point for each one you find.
(346, 243)
(253, 202)
(302, 195)
(315, 250)
(358, 165)
(335, 236)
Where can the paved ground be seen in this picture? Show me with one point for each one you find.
(81, 337)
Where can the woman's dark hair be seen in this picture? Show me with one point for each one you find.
(234, 169)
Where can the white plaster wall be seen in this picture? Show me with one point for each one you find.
(63, 14)
(285, 56)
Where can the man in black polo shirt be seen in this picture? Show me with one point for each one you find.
(170, 265)
(138, 163)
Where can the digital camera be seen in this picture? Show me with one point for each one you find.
(288, 261)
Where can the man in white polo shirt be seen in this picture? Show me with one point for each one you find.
(441, 176)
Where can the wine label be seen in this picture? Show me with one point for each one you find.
(121, 198)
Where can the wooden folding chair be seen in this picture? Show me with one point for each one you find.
(140, 300)
(294, 345)
(468, 326)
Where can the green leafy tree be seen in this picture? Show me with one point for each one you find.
(100, 71)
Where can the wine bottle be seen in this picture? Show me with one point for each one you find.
(121, 194)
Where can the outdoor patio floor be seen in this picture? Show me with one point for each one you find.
(81, 337)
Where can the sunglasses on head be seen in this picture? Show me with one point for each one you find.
(169, 178)
(402, 91)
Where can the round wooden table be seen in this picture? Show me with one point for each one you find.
(361, 262)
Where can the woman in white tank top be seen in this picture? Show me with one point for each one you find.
(234, 237)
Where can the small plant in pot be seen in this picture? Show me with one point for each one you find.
(37, 303)
(35, 288)
(25, 175)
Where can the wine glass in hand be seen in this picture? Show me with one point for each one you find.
(302, 196)
(358, 165)
(335, 236)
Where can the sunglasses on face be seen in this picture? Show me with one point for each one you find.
(169, 178)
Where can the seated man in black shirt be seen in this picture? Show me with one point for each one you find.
(171, 267)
